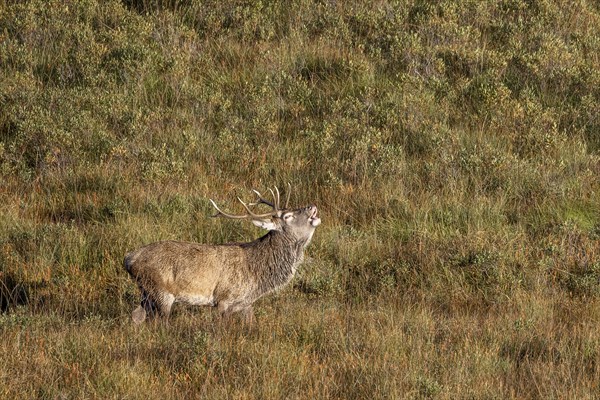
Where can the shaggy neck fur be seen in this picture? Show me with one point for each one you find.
(279, 254)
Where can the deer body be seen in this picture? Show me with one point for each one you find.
(229, 276)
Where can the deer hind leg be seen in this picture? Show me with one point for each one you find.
(165, 302)
(138, 315)
(147, 308)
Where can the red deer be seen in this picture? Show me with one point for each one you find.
(228, 276)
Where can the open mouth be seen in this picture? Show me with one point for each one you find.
(314, 220)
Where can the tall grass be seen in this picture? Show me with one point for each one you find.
(453, 149)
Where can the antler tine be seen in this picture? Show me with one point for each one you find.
(261, 200)
(224, 214)
(287, 198)
(275, 198)
(277, 201)
(253, 215)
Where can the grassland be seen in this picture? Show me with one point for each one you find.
(453, 148)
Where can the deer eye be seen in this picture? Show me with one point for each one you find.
(288, 216)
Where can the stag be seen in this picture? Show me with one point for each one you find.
(228, 276)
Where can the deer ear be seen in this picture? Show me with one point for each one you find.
(265, 224)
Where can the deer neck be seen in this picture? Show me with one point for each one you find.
(275, 258)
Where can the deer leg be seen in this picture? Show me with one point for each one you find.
(138, 315)
(245, 311)
(248, 314)
(165, 302)
(224, 310)
(147, 308)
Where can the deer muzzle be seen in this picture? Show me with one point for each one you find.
(313, 219)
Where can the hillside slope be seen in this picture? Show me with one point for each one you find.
(452, 146)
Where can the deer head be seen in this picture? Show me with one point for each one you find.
(298, 223)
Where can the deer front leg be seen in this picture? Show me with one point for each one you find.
(248, 314)
(227, 310)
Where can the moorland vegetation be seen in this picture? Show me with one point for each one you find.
(453, 149)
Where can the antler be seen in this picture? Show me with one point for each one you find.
(276, 197)
(287, 198)
(261, 200)
(250, 215)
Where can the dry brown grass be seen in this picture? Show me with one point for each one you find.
(308, 348)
